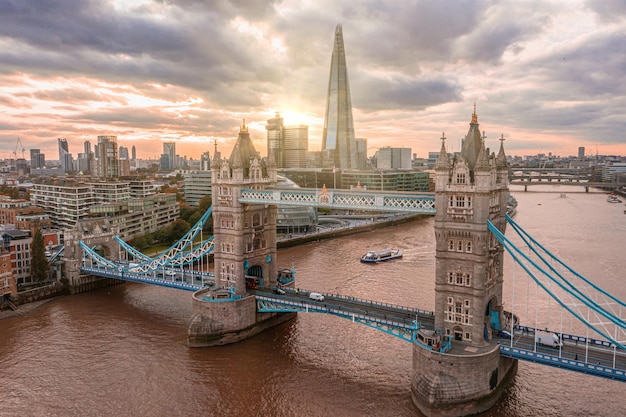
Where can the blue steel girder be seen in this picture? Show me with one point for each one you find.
(562, 362)
(387, 201)
(403, 331)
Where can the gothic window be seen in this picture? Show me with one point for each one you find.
(468, 336)
(460, 201)
(469, 202)
(459, 278)
(460, 246)
(451, 201)
(460, 178)
(256, 220)
(468, 280)
(451, 245)
(450, 281)
(468, 246)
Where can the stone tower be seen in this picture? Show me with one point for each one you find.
(470, 189)
(244, 235)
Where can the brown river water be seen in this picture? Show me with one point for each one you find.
(121, 351)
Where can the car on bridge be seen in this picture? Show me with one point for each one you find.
(316, 296)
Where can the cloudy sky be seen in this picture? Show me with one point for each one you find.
(548, 75)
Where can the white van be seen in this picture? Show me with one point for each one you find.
(316, 296)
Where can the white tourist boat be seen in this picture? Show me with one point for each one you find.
(381, 255)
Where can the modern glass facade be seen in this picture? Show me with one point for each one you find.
(338, 142)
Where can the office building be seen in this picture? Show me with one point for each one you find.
(108, 160)
(168, 158)
(133, 152)
(197, 186)
(393, 158)
(581, 153)
(287, 144)
(338, 142)
(37, 159)
(65, 158)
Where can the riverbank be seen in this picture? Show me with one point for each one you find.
(23, 309)
(345, 230)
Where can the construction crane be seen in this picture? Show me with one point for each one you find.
(18, 145)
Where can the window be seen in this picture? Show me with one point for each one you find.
(459, 278)
(451, 245)
(468, 246)
(460, 246)
(460, 178)
(450, 281)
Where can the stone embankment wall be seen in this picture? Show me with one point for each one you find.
(346, 231)
(42, 293)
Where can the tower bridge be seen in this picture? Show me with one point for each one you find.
(468, 342)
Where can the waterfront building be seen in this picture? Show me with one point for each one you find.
(108, 160)
(611, 170)
(197, 186)
(137, 216)
(18, 244)
(338, 140)
(65, 202)
(8, 286)
(293, 219)
(397, 180)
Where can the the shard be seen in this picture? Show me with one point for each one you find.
(338, 143)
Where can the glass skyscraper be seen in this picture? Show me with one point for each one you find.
(338, 142)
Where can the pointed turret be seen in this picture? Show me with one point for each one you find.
(243, 151)
(482, 162)
(472, 143)
(501, 158)
(443, 162)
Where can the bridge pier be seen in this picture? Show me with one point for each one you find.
(450, 385)
(224, 321)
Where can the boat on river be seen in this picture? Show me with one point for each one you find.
(612, 198)
(381, 255)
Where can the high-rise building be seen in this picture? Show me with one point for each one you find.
(37, 159)
(287, 144)
(338, 143)
(108, 160)
(65, 157)
(274, 129)
(123, 152)
(87, 145)
(133, 153)
(169, 156)
(581, 153)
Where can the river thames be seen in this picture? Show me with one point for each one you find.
(122, 351)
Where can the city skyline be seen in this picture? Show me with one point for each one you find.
(548, 76)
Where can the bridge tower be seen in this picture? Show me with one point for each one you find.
(244, 250)
(469, 190)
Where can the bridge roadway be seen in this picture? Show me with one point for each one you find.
(590, 356)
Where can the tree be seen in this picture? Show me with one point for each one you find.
(177, 230)
(39, 267)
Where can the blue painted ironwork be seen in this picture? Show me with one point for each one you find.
(388, 201)
(562, 362)
(402, 330)
(518, 256)
(144, 279)
(57, 254)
